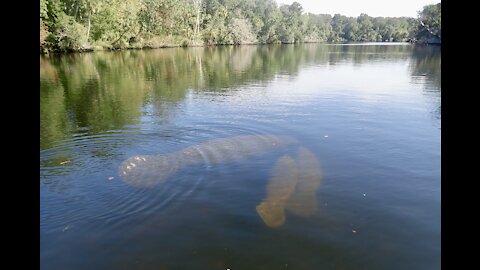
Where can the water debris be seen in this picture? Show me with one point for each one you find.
(66, 228)
(354, 231)
(111, 178)
(65, 162)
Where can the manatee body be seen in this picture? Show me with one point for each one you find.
(279, 189)
(292, 187)
(149, 170)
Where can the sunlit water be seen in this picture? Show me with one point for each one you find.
(369, 114)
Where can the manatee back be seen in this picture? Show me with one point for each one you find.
(147, 170)
(236, 148)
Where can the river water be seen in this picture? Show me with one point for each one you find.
(365, 121)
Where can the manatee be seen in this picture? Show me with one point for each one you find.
(279, 189)
(149, 170)
(303, 202)
(292, 188)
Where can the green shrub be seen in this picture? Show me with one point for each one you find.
(44, 33)
(69, 35)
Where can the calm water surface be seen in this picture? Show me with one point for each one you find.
(369, 115)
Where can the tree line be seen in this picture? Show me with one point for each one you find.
(76, 25)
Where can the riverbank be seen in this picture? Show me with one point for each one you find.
(156, 43)
(170, 45)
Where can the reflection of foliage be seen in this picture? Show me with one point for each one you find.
(86, 93)
(53, 115)
(360, 54)
(428, 65)
(427, 69)
(106, 90)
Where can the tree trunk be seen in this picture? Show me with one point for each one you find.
(89, 24)
(198, 5)
(198, 19)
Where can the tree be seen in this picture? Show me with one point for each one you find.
(430, 19)
(339, 23)
(215, 29)
(43, 26)
(197, 5)
(272, 18)
(240, 31)
(352, 31)
(366, 30)
(79, 24)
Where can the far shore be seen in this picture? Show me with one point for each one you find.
(99, 48)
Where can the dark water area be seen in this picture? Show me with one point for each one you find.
(259, 157)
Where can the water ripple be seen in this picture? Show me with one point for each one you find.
(78, 170)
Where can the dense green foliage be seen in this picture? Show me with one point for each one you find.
(430, 24)
(89, 24)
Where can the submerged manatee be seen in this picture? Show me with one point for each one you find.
(292, 187)
(303, 202)
(149, 170)
(279, 189)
